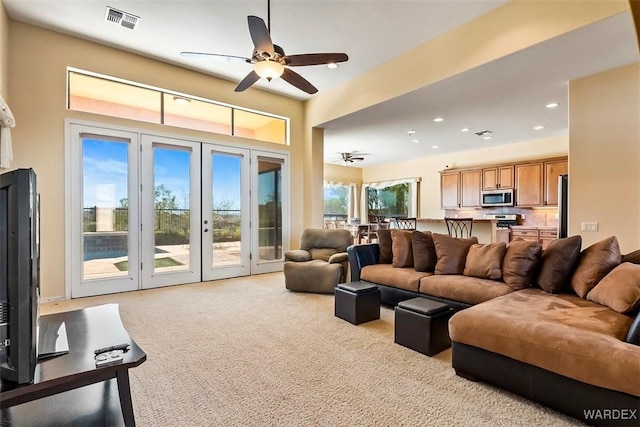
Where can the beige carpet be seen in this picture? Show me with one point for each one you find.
(248, 352)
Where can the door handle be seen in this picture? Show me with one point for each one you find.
(206, 229)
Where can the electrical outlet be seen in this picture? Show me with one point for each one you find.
(589, 226)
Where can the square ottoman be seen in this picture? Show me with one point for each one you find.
(357, 302)
(422, 325)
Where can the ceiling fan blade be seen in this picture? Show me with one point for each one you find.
(216, 56)
(249, 79)
(315, 59)
(298, 81)
(357, 158)
(260, 36)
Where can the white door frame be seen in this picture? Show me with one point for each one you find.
(74, 213)
(151, 278)
(243, 267)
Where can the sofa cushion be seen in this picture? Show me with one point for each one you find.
(633, 257)
(557, 264)
(620, 289)
(561, 333)
(485, 261)
(470, 290)
(451, 253)
(595, 262)
(424, 251)
(402, 248)
(520, 263)
(384, 242)
(385, 274)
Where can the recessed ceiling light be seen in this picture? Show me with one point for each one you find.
(415, 140)
(539, 127)
(552, 105)
(332, 65)
(487, 137)
(435, 146)
(465, 130)
(181, 101)
(411, 132)
(438, 119)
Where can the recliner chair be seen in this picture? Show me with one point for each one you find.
(320, 263)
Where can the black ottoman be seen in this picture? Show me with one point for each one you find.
(423, 325)
(357, 302)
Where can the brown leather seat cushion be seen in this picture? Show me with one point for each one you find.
(385, 274)
(470, 290)
(561, 333)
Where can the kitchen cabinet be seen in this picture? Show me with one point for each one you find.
(547, 236)
(450, 190)
(529, 182)
(534, 234)
(470, 188)
(497, 177)
(527, 234)
(552, 170)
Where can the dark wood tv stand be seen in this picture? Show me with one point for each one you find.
(54, 398)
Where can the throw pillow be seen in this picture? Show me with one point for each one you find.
(485, 261)
(633, 257)
(557, 264)
(520, 262)
(384, 242)
(451, 253)
(595, 262)
(401, 248)
(424, 251)
(620, 289)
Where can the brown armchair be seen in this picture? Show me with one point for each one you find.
(320, 263)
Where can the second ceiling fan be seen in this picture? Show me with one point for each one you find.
(270, 61)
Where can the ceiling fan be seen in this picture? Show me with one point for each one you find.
(269, 60)
(351, 157)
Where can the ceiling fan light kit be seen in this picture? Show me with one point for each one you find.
(269, 69)
(269, 60)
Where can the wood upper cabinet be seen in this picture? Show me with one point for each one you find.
(497, 177)
(470, 188)
(450, 190)
(553, 170)
(529, 182)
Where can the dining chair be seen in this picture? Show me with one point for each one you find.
(459, 227)
(406, 223)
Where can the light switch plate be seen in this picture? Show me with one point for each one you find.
(589, 226)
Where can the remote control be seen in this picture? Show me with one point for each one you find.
(122, 347)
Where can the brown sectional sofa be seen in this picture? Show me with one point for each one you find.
(544, 329)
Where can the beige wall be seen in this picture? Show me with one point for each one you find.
(4, 52)
(604, 156)
(427, 168)
(37, 65)
(339, 173)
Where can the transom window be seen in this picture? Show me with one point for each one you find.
(109, 96)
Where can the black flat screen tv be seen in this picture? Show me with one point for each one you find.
(19, 275)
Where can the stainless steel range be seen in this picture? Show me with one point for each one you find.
(504, 221)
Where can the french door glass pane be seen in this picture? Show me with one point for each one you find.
(171, 208)
(105, 207)
(270, 209)
(226, 208)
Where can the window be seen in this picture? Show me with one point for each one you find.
(389, 201)
(113, 97)
(397, 198)
(336, 202)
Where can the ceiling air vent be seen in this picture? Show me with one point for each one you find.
(119, 17)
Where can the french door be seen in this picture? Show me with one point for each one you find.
(149, 211)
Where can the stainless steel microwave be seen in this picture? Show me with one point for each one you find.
(497, 198)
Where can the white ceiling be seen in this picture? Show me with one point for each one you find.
(507, 96)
